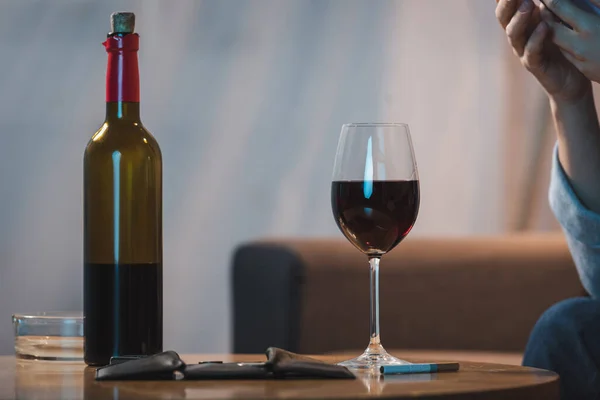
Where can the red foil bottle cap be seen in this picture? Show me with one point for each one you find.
(129, 42)
(122, 75)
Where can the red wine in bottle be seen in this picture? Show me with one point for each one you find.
(375, 215)
(122, 216)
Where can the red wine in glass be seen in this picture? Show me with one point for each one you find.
(375, 215)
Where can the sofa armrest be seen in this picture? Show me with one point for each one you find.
(483, 293)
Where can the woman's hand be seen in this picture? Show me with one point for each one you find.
(556, 55)
(528, 29)
(580, 45)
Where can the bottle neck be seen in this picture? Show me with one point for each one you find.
(122, 111)
(122, 78)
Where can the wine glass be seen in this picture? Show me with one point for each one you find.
(375, 202)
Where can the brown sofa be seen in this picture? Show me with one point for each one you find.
(456, 295)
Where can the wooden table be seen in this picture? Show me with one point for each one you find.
(27, 379)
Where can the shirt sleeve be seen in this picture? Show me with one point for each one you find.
(580, 225)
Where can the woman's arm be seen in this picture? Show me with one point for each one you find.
(581, 227)
(578, 135)
(563, 61)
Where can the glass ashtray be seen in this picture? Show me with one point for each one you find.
(49, 336)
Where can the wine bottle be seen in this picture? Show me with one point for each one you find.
(122, 216)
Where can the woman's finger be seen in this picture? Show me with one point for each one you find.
(516, 30)
(577, 63)
(535, 17)
(533, 53)
(568, 12)
(567, 43)
(505, 9)
(562, 36)
(565, 38)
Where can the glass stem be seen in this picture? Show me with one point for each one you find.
(374, 341)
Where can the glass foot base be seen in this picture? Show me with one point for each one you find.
(372, 359)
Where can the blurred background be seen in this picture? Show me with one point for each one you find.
(247, 98)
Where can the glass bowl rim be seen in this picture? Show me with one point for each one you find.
(50, 315)
(375, 125)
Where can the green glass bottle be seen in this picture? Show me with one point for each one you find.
(122, 216)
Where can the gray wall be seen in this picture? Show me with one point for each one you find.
(246, 99)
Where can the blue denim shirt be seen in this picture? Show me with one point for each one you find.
(580, 225)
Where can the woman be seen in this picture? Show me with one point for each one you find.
(561, 49)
